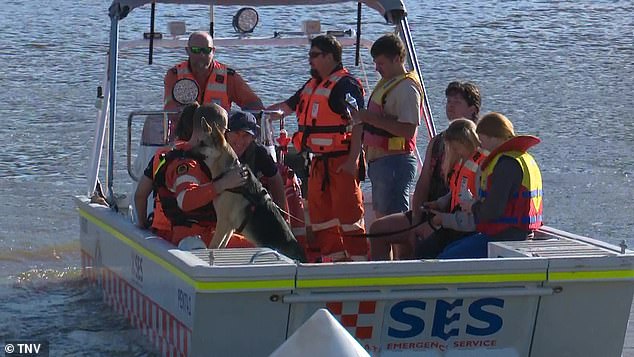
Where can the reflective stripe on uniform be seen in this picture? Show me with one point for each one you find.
(316, 227)
(183, 179)
(217, 87)
(321, 141)
(360, 224)
(334, 257)
(323, 91)
(180, 198)
(182, 70)
(471, 165)
(325, 225)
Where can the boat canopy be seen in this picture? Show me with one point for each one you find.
(121, 8)
(392, 10)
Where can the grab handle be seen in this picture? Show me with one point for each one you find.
(265, 252)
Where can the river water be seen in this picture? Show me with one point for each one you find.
(560, 70)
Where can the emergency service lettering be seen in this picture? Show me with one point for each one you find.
(446, 313)
(495, 322)
(184, 302)
(137, 267)
(441, 319)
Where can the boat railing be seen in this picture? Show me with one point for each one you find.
(156, 132)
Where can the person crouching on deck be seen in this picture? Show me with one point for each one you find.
(509, 205)
(335, 202)
(156, 219)
(243, 129)
(185, 187)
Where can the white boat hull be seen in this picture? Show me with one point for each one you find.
(573, 293)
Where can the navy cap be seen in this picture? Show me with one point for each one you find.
(243, 121)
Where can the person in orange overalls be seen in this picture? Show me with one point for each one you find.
(203, 79)
(157, 220)
(335, 202)
(185, 186)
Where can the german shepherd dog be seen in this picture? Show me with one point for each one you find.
(248, 209)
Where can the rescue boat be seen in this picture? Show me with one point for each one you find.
(560, 294)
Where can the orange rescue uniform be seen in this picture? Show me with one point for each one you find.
(160, 223)
(335, 201)
(224, 86)
(193, 189)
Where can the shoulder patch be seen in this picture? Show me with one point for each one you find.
(182, 169)
(231, 71)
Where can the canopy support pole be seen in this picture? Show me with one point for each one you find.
(211, 19)
(112, 73)
(357, 56)
(152, 15)
(412, 58)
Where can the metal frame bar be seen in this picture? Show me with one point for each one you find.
(416, 294)
(406, 35)
(112, 72)
(165, 114)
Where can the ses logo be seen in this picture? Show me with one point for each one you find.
(446, 313)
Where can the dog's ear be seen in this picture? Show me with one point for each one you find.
(217, 136)
(205, 125)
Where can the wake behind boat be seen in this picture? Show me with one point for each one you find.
(560, 294)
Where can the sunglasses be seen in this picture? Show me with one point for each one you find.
(199, 50)
(315, 54)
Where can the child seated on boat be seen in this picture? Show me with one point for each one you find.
(509, 203)
(463, 155)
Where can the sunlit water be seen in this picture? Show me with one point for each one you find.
(560, 70)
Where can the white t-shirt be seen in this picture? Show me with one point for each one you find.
(403, 101)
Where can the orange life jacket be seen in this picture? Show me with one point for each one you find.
(376, 137)
(524, 208)
(159, 221)
(464, 177)
(216, 86)
(205, 215)
(320, 130)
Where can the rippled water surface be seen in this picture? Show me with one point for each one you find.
(560, 70)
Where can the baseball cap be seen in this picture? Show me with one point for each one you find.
(243, 121)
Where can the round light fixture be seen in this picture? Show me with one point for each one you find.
(245, 20)
(185, 91)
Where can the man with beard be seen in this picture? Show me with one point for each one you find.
(325, 131)
(203, 79)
